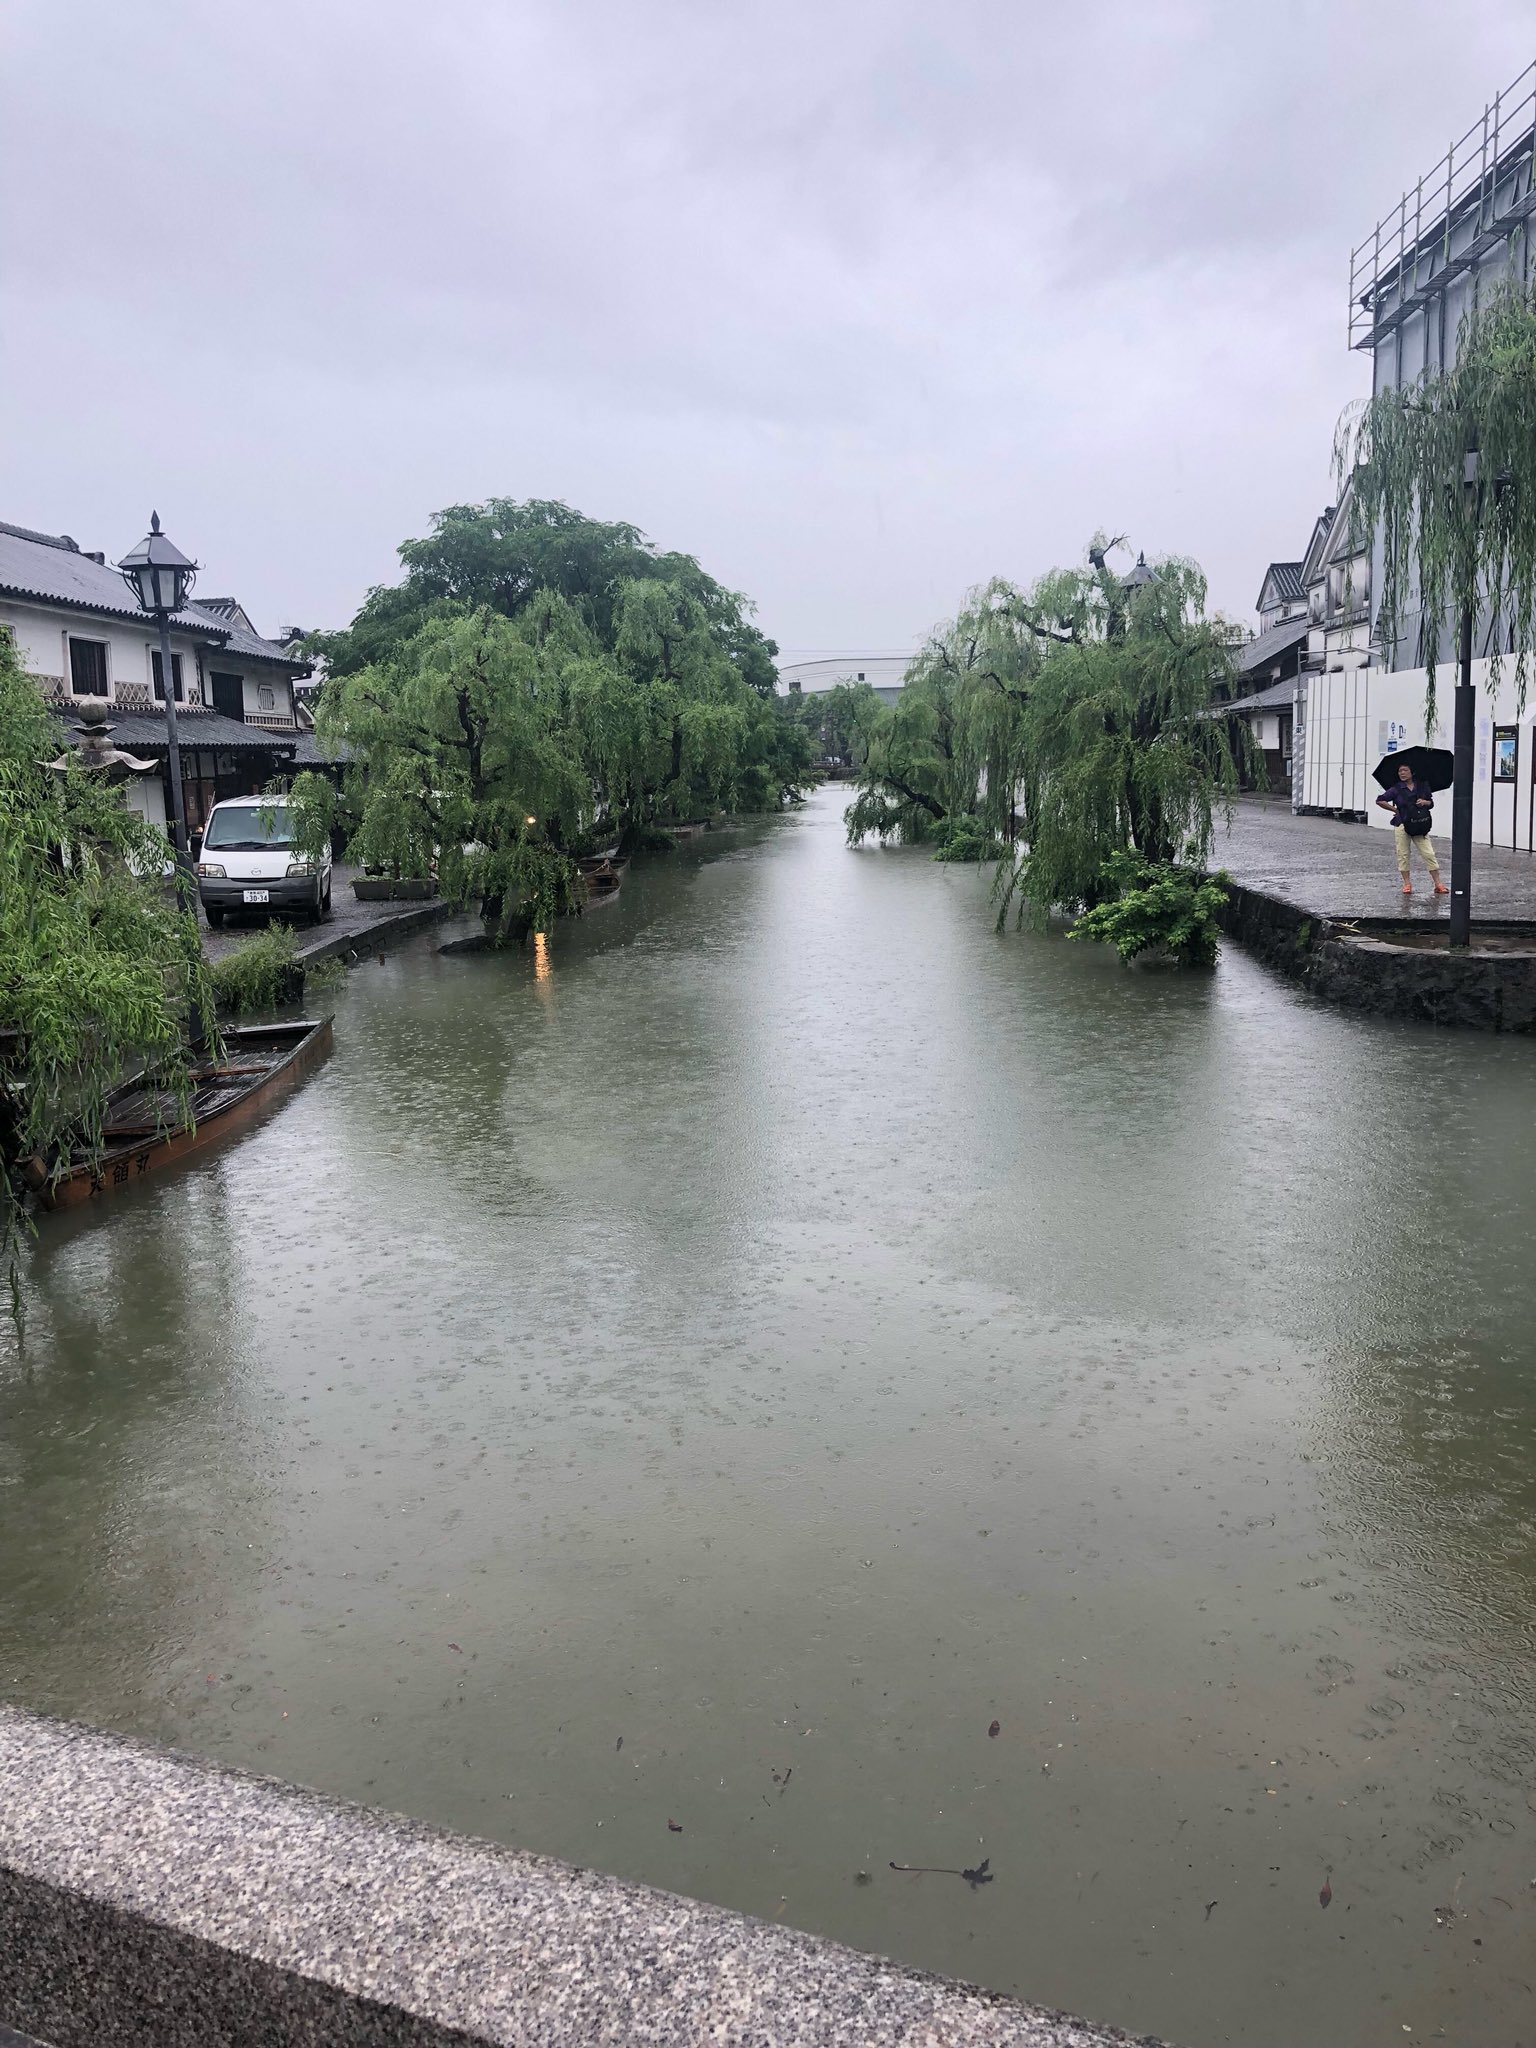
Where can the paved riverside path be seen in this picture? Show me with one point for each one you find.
(1340, 870)
(350, 924)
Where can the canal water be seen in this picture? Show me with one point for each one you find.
(660, 1400)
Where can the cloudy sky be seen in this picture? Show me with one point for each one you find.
(859, 301)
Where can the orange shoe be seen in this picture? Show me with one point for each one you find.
(1407, 886)
(1441, 889)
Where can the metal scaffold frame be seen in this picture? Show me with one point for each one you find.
(1473, 198)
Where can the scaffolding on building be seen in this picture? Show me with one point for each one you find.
(1476, 197)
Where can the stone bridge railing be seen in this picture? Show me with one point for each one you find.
(151, 1901)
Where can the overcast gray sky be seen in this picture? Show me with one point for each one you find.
(859, 301)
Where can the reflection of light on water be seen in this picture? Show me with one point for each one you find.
(541, 962)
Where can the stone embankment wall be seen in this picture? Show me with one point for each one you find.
(1357, 965)
(151, 1901)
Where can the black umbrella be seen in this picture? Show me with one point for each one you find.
(1434, 765)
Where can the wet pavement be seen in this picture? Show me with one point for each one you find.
(350, 924)
(1341, 870)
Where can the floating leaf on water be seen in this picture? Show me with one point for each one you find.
(676, 1826)
(862, 1877)
(1325, 1896)
(1210, 1909)
(996, 1728)
(982, 1874)
(454, 1646)
(618, 1745)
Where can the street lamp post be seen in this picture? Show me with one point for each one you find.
(161, 578)
(1465, 727)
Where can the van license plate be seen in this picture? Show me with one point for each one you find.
(258, 895)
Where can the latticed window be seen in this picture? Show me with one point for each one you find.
(159, 671)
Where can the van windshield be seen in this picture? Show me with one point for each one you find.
(249, 829)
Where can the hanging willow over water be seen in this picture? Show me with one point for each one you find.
(1445, 548)
(1072, 721)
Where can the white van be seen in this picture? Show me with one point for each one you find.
(248, 863)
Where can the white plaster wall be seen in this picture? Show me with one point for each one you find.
(145, 796)
(41, 635)
(268, 679)
(1350, 717)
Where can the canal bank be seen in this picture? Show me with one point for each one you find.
(1319, 899)
(710, 1372)
(353, 928)
(150, 1901)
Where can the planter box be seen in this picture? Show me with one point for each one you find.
(381, 889)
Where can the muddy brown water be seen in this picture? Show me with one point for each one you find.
(788, 1326)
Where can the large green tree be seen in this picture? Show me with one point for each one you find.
(1120, 748)
(502, 554)
(98, 968)
(497, 746)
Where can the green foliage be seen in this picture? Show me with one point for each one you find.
(504, 554)
(541, 683)
(952, 742)
(1444, 549)
(1155, 906)
(964, 837)
(98, 967)
(835, 722)
(1119, 749)
(260, 973)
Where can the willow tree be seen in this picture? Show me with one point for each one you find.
(950, 748)
(470, 752)
(1119, 746)
(1444, 474)
(99, 971)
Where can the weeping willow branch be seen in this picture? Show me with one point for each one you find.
(1449, 546)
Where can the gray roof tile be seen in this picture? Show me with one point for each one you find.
(1268, 647)
(50, 568)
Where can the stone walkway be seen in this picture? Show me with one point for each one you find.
(351, 926)
(1350, 871)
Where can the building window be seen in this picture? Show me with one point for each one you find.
(861, 675)
(159, 670)
(228, 694)
(88, 667)
(265, 698)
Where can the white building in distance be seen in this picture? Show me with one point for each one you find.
(883, 672)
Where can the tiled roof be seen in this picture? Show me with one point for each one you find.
(1268, 647)
(143, 732)
(1277, 696)
(1286, 577)
(50, 568)
(314, 753)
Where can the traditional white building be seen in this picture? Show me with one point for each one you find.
(79, 631)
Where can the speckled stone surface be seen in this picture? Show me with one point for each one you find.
(146, 1898)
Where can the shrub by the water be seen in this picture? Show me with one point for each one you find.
(259, 974)
(965, 837)
(1156, 905)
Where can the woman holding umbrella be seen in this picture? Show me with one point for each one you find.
(1409, 795)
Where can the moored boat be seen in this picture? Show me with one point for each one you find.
(146, 1129)
(603, 874)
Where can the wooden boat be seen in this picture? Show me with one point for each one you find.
(145, 1131)
(602, 873)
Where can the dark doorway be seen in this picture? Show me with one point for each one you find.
(228, 695)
